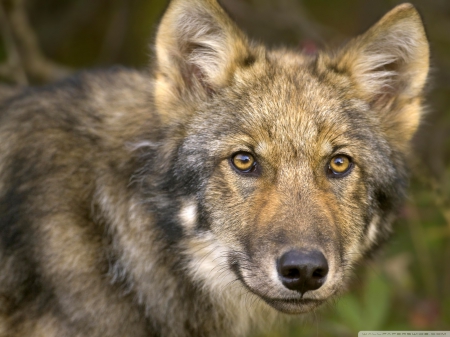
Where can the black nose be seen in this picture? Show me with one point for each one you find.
(302, 270)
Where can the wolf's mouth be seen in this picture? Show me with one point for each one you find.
(293, 306)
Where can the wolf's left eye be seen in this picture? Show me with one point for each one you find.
(243, 162)
(339, 166)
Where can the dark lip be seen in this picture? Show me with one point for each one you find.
(292, 300)
(293, 306)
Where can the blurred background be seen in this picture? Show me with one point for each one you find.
(407, 287)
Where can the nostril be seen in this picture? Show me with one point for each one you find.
(291, 273)
(302, 270)
(319, 273)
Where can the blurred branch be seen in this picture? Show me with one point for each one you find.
(23, 47)
(440, 185)
(12, 68)
(442, 198)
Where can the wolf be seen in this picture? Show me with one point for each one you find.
(225, 188)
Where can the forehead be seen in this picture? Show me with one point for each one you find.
(286, 104)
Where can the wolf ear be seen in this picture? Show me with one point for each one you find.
(198, 48)
(389, 66)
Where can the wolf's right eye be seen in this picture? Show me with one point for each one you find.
(243, 162)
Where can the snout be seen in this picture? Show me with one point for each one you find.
(302, 270)
(295, 281)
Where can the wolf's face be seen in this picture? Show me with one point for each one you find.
(292, 166)
(298, 183)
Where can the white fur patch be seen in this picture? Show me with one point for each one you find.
(188, 214)
(142, 144)
(372, 231)
(209, 266)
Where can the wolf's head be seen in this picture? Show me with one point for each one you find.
(287, 168)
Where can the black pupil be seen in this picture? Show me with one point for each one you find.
(244, 159)
(339, 161)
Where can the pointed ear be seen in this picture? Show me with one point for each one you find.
(389, 66)
(198, 48)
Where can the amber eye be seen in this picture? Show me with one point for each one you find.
(243, 162)
(339, 166)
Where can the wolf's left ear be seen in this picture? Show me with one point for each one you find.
(389, 66)
(198, 48)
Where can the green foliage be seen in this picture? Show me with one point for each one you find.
(370, 310)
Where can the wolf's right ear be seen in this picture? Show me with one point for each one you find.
(198, 48)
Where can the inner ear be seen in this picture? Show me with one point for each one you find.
(193, 74)
(392, 84)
